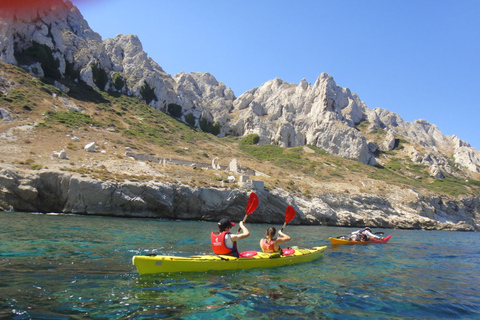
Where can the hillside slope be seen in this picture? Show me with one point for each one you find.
(38, 119)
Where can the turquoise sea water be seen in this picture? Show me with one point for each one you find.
(79, 267)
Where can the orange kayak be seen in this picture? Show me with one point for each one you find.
(338, 241)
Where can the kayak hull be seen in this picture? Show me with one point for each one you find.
(169, 264)
(336, 241)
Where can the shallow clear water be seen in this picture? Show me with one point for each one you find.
(77, 267)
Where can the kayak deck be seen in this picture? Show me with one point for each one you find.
(167, 264)
(337, 241)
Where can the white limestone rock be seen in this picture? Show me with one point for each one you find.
(91, 147)
(389, 142)
(292, 115)
(467, 157)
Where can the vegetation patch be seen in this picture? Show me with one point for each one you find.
(17, 95)
(363, 125)
(174, 110)
(70, 71)
(266, 152)
(100, 76)
(250, 139)
(190, 119)
(43, 54)
(148, 93)
(118, 81)
(213, 128)
(317, 149)
(70, 119)
(84, 92)
(450, 185)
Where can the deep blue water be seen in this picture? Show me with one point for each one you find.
(79, 267)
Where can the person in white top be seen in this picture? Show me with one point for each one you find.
(363, 235)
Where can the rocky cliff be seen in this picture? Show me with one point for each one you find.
(55, 191)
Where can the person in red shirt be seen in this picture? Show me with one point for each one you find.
(224, 242)
(271, 244)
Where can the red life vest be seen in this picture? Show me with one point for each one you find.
(268, 247)
(219, 246)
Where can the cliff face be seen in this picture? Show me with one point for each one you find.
(324, 114)
(54, 191)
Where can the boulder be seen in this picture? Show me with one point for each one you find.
(90, 147)
(5, 115)
(62, 154)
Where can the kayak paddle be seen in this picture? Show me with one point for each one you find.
(251, 206)
(289, 215)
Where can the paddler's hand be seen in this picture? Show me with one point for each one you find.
(245, 233)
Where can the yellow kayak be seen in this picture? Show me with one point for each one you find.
(166, 264)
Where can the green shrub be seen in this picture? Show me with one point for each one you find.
(190, 119)
(209, 127)
(100, 77)
(118, 81)
(35, 166)
(148, 93)
(174, 110)
(43, 54)
(250, 139)
(70, 71)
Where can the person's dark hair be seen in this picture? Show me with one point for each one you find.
(271, 232)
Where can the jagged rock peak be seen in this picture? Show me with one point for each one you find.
(28, 11)
(46, 22)
(203, 84)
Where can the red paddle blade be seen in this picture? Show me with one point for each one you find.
(289, 214)
(252, 203)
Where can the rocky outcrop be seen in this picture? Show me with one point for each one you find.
(289, 115)
(117, 64)
(57, 191)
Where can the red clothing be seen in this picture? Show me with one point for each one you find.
(268, 246)
(219, 246)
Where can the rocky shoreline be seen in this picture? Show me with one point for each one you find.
(50, 190)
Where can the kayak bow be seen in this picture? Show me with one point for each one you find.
(166, 264)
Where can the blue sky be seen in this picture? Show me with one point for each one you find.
(419, 59)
